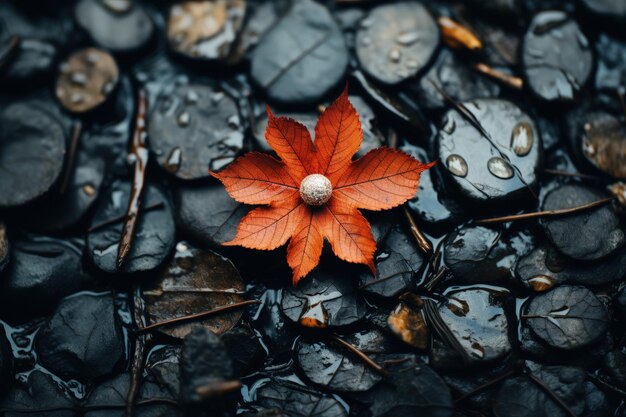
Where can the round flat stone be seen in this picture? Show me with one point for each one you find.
(588, 235)
(205, 30)
(86, 79)
(194, 129)
(556, 56)
(495, 168)
(395, 41)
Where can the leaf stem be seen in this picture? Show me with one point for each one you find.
(375, 366)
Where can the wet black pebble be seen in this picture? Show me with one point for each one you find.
(293, 400)
(33, 61)
(163, 368)
(611, 69)
(522, 397)
(545, 267)
(477, 319)
(204, 365)
(567, 317)
(588, 235)
(154, 238)
(557, 57)
(496, 165)
(400, 241)
(394, 276)
(395, 41)
(119, 26)
(324, 300)
(32, 149)
(478, 254)
(195, 129)
(245, 348)
(82, 339)
(302, 57)
(456, 78)
(115, 391)
(43, 271)
(41, 391)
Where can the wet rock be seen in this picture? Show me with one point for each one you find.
(477, 319)
(324, 300)
(5, 254)
(414, 389)
(333, 367)
(205, 367)
(611, 69)
(456, 78)
(205, 30)
(41, 391)
(193, 282)
(394, 276)
(86, 80)
(195, 129)
(278, 336)
(407, 321)
(614, 365)
(41, 272)
(207, 213)
(520, 396)
(557, 57)
(544, 267)
(289, 399)
(120, 26)
(244, 346)
(302, 57)
(82, 339)
(567, 317)
(163, 368)
(32, 147)
(33, 61)
(154, 236)
(395, 41)
(586, 236)
(496, 164)
(115, 391)
(401, 242)
(606, 9)
(478, 254)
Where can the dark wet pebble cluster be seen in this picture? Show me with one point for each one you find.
(515, 317)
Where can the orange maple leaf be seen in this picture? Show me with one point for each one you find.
(315, 190)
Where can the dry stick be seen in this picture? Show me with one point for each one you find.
(436, 278)
(376, 367)
(217, 310)
(10, 50)
(551, 394)
(71, 156)
(138, 355)
(421, 239)
(573, 174)
(140, 153)
(547, 213)
(118, 219)
(486, 385)
(510, 80)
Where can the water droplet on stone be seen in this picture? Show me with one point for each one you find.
(233, 121)
(522, 139)
(173, 160)
(500, 168)
(456, 165)
(77, 98)
(407, 38)
(394, 55)
(183, 119)
(89, 190)
(541, 283)
(108, 87)
(449, 126)
(117, 6)
(217, 97)
(582, 40)
(191, 97)
(366, 41)
(411, 64)
(79, 78)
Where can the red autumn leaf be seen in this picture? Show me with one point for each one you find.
(315, 190)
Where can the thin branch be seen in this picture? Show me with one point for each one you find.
(10, 50)
(138, 354)
(196, 316)
(510, 80)
(422, 241)
(551, 394)
(436, 278)
(71, 156)
(573, 174)
(547, 213)
(486, 385)
(376, 367)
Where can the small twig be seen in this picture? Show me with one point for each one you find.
(118, 219)
(506, 79)
(436, 278)
(9, 50)
(441, 329)
(551, 394)
(196, 316)
(138, 355)
(71, 156)
(603, 384)
(217, 389)
(573, 174)
(139, 151)
(422, 241)
(486, 385)
(376, 367)
(547, 213)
